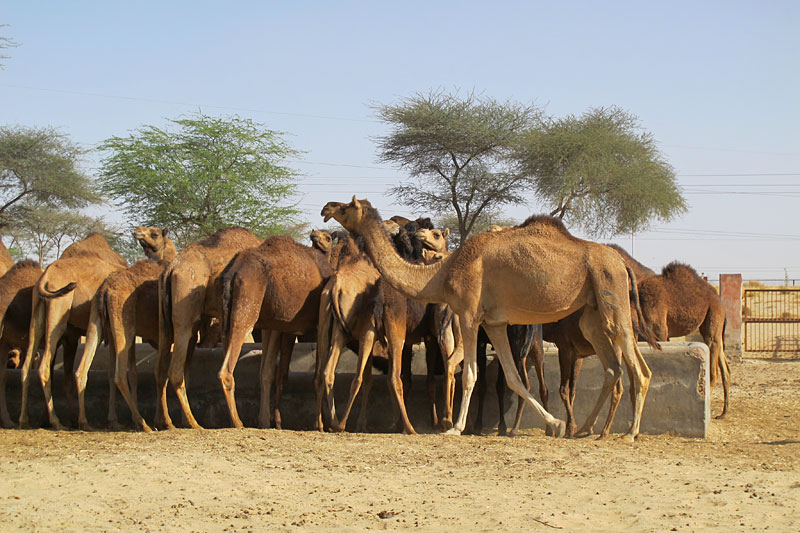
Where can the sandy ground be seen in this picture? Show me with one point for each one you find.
(745, 476)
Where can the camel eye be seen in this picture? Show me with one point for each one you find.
(153, 234)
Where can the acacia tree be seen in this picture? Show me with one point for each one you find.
(601, 172)
(5, 42)
(40, 166)
(456, 151)
(45, 232)
(207, 174)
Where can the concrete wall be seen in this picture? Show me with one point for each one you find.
(678, 401)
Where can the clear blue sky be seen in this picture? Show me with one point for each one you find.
(717, 84)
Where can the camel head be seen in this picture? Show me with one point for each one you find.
(431, 256)
(495, 228)
(391, 226)
(155, 243)
(350, 215)
(433, 239)
(322, 240)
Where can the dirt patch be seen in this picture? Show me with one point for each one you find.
(746, 475)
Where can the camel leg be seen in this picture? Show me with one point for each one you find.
(469, 332)
(499, 337)
(69, 347)
(366, 387)
(269, 358)
(711, 330)
(35, 335)
(125, 369)
(431, 351)
(500, 390)
(56, 326)
(566, 359)
(5, 418)
(591, 325)
(233, 349)
(365, 344)
(452, 355)
(522, 366)
(286, 347)
(477, 421)
(164, 356)
(725, 371)
(329, 375)
(395, 333)
(93, 337)
(177, 372)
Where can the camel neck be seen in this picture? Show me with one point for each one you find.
(415, 281)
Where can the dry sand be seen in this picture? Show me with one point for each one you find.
(745, 476)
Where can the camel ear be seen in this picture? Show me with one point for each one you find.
(164, 232)
(446, 232)
(356, 203)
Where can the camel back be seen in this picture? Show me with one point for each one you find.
(94, 244)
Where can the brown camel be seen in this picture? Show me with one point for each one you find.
(125, 305)
(367, 310)
(187, 293)
(678, 302)
(537, 273)
(6, 261)
(275, 287)
(61, 304)
(16, 287)
(573, 348)
(322, 240)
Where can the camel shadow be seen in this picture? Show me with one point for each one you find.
(781, 442)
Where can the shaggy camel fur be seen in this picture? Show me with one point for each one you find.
(573, 348)
(275, 287)
(16, 287)
(187, 292)
(125, 305)
(679, 301)
(534, 274)
(62, 299)
(6, 261)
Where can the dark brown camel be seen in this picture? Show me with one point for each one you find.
(678, 302)
(187, 295)
(16, 288)
(275, 287)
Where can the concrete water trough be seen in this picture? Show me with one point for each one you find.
(678, 401)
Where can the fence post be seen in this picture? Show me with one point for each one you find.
(730, 290)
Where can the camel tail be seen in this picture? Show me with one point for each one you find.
(226, 303)
(445, 320)
(46, 292)
(336, 307)
(165, 303)
(641, 328)
(532, 334)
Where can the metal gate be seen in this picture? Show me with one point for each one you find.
(771, 320)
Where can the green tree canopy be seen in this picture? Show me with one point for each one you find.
(456, 151)
(600, 171)
(207, 174)
(40, 166)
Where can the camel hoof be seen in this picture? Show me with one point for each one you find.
(452, 431)
(146, 428)
(502, 432)
(25, 424)
(58, 426)
(84, 426)
(628, 437)
(558, 429)
(446, 424)
(721, 416)
(114, 425)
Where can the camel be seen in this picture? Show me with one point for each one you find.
(679, 301)
(61, 304)
(16, 287)
(368, 311)
(573, 348)
(275, 287)
(187, 292)
(125, 305)
(322, 240)
(6, 261)
(536, 273)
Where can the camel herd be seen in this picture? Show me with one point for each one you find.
(376, 287)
